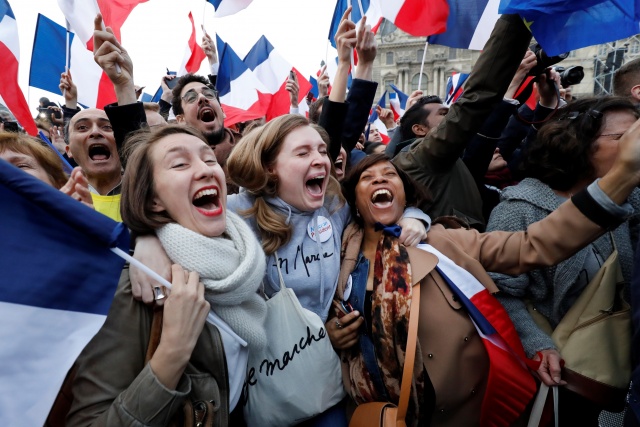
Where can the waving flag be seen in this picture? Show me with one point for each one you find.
(10, 93)
(80, 15)
(469, 24)
(417, 17)
(273, 72)
(48, 61)
(510, 386)
(563, 26)
(228, 7)
(398, 102)
(455, 87)
(242, 96)
(194, 55)
(371, 10)
(374, 118)
(62, 280)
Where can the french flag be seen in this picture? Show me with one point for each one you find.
(10, 93)
(374, 118)
(60, 278)
(371, 9)
(469, 24)
(194, 55)
(416, 17)
(510, 385)
(455, 87)
(48, 61)
(273, 72)
(242, 96)
(228, 7)
(398, 102)
(80, 15)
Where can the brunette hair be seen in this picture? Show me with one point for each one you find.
(176, 100)
(32, 147)
(248, 166)
(415, 194)
(138, 190)
(626, 77)
(561, 154)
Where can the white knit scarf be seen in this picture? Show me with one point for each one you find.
(231, 269)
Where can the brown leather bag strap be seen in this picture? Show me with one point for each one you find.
(410, 356)
(156, 332)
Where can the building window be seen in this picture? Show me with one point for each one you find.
(634, 47)
(389, 82)
(602, 50)
(420, 55)
(423, 83)
(453, 53)
(389, 58)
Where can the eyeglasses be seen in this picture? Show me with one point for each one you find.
(192, 95)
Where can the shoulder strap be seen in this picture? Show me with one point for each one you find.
(410, 355)
(156, 332)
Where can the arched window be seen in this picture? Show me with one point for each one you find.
(423, 83)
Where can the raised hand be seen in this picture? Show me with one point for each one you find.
(69, 89)
(367, 48)
(293, 88)
(57, 138)
(386, 116)
(413, 98)
(77, 187)
(323, 82)
(209, 47)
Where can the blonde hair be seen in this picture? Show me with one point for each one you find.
(248, 166)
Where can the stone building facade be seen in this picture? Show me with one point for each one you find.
(400, 57)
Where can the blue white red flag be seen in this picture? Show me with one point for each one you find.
(152, 98)
(242, 96)
(510, 385)
(194, 55)
(272, 70)
(563, 26)
(416, 17)
(374, 119)
(469, 24)
(48, 62)
(80, 15)
(455, 87)
(398, 102)
(371, 8)
(60, 278)
(10, 93)
(228, 7)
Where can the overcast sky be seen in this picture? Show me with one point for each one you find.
(157, 31)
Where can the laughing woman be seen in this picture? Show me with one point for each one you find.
(174, 187)
(455, 382)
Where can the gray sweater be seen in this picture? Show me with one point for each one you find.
(551, 290)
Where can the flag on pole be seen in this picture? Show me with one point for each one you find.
(242, 96)
(455, 87)
(563, 26)
(398, 102)
(371, 10)
(416, 17)
(60, 278)
(228, 7)
(194, 55)
(10, 94)
(80, 15)
(273, 72)
(48, 62)
(469, 24)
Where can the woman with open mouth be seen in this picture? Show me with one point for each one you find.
(174, 187)
(460, 377)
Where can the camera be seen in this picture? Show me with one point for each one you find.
(544, 61)
(46, 111)
(570, 76)
(10, 126)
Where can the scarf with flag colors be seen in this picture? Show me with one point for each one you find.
(80, 15)
(510, 385)
(61, 278)
(10, 93)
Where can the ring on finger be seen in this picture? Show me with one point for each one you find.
(338, 324)
(158, 293)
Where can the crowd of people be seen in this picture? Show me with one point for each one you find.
(470, 196)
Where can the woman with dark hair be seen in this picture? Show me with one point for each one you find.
(460, 378)
(569, 152)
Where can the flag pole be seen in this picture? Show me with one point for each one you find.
(349, 4)
(424, 56)
(211, 317)
(66, 54)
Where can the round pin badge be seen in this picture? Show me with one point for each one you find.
(324, 229)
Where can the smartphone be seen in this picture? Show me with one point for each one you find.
(343, 308)
(292, 75)
(172, 83)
